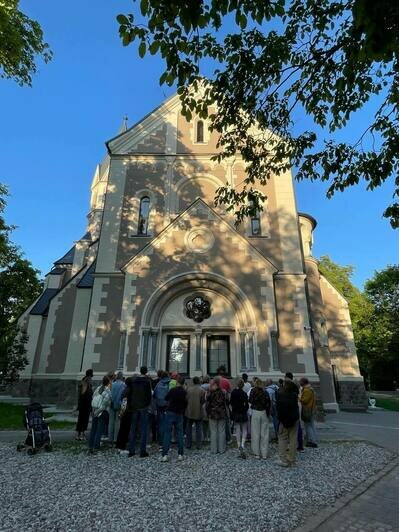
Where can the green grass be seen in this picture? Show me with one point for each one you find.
(391, 403)
(11, 418)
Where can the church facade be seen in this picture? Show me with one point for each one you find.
(163, 278)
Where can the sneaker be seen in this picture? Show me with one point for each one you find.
(163, 458)
(282, 464)
(130, 454)
(301, 450)
(242, 452)
(123, 451)
(180, 457)
(144, 455)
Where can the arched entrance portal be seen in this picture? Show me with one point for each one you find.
(196, 322)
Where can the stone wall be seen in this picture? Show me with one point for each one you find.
(352, 396)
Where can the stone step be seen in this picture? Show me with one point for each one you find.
(14, 400)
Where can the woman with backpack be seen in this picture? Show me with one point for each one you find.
(100, 405)
(161, 390)
(239, 414)
(260, 404)
(117, 389)
(84, 405)
(216, 408)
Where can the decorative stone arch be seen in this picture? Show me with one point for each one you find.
(195, 281)
(179, 186)
(241, 329)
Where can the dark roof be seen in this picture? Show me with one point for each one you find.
(87, 280)
(87, 236)
(67, 258)
(42, 304)
(56, 271)
(309, 217)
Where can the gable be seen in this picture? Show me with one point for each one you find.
(198, 235)
(164, 131)
(152, 134)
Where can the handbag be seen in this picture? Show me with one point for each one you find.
(123, 407)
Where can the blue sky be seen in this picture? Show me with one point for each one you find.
(52, 136)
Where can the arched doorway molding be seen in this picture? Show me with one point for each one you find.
(195, 281)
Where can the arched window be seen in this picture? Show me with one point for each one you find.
(256, 229)
(143, 215)
(200, 131)
(255, 225)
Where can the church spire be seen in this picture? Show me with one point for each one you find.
(124, 125)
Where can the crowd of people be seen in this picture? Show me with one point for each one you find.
(132, 412)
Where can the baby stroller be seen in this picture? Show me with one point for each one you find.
(38, 436)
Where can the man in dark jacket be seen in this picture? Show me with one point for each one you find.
(176, 406)
(138, 401)
(288, 414)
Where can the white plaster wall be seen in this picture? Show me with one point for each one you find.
(33, 332)
(286, 212)
(48, 334)
(108, 245)
(78, 332)
(90, 357)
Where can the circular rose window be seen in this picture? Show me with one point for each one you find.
(199, 240)
(198, 309)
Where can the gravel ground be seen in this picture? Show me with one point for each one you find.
(70, 490)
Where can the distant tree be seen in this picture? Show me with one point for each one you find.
(21, 41)
(381, 331)
(265, 60)
(375, 320)
(19, 286)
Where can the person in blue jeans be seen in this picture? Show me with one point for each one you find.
(160, 392)
(100, 405)
(177, 402)
(138, 397)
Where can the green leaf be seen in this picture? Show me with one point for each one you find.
(122, 19)
(142, 49)
(144, 7)
(154, 47)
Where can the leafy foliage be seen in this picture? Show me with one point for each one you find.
(19, 286)
(21, 40)
(265, 59)
(375, 320)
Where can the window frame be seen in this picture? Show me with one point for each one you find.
(144, 232)
(200, 129)
(170, 338)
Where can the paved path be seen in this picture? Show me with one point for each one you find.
(380, 427)
(374, 505)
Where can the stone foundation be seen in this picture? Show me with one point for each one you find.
(352, 396)
(47, 391)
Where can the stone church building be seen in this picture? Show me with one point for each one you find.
(163, 278)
